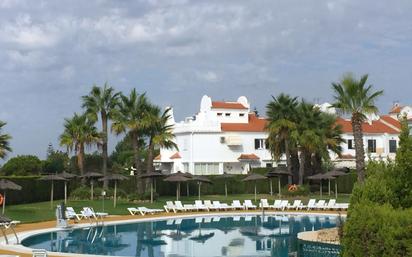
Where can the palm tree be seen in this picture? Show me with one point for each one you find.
(79, 132)
(159, 132)
(101, 101)
(129, 118)
(281, 113)
(354, 98)
(4, 142)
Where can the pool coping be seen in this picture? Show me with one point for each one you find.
(18, 248)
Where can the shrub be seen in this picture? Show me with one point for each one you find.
(22, 165)
(80, 193)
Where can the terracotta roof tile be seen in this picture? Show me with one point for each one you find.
(392, 121)
(248, 157)
(396, 109)
(255, 124)
(377, 127)
(176, 156)
(228, 105)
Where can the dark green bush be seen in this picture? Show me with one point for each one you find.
(377, 231)
(80, 193)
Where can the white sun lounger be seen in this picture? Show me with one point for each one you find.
(143, 210)
(341, 206)
(220, 206)
(330, 205)
(311, 205)
(71, 214)
(209, 205)
(320, 205)
(264, 204)
(283, 205)
(169, 206)
(297, 204)
(276, 205)
(186, 207)
(89, 213)
(236, 205)
(249, 205)
(200, 206)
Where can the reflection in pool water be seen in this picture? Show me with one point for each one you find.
(207, 236)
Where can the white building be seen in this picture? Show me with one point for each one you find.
(228, 137)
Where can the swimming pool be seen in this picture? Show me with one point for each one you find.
(247, 235)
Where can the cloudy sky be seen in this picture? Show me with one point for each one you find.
(52, 52)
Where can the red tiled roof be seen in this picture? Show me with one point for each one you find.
(396, 109)
(255, 124)
(392, 121)
(248, 157)
(376, 127)
(228, 105)
(176, 156)
(157, 158)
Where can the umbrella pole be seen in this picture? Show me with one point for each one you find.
(226, 189)
(329, 187)
(336, 189)
(255, 192)
(199, 189)
(51, 195)
(115, 194)
(65, 192)
(320, 188)
(177, 191)
(280, 191)
(4, 201)
(271, 187)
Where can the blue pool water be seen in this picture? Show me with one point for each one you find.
(250, 236)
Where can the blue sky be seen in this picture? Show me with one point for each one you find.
(52, 52)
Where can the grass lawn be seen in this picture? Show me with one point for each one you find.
(42, 211)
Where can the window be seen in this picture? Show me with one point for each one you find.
(350, 144)
(241, 114)
(219, 114)
(260, 143)
(372, 145)
(227, 114)
(204, 168)
(269, 165)
(392, 146)
(185, 167)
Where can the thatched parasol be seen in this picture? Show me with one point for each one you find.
(336, 173)
(178, 178)
(91, 176)
(200, 180)
(277, 172)
(52, 178)
(7, 185)
(152, 176)
(320, 177)
(115, 178)
(254, 177)
(67, 176)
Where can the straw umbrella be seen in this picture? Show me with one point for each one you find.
(67, 176)
(152, 176)
(7, 185)
(52, 178)
(320, 177)
(225, 176)
(178, 178)
(277, 172)
(200, 180)
(115, 178)
(254, 177)
(336, 173)
(91, 176)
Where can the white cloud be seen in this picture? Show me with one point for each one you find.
(209, 76)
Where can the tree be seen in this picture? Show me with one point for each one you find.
(4, 142)
(282, 117)
(354, 98)
(159, 132)
(79, 132)
(101, 101)
(22, 165)
(56, 161)
(128, 118)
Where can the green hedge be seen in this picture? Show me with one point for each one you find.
(377, 231)
(33, 190)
